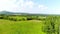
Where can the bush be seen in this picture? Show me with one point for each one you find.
(1, 17)
(29, 18)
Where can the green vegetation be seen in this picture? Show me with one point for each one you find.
(19, 24)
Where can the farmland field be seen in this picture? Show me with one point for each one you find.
(17, 25)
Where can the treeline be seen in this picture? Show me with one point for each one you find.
(20, 18)
(51, 25)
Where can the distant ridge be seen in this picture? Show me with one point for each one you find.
(6, 12)
(12, 13)
(20, 13)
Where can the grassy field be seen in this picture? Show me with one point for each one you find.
(29, 24)
(21, 27)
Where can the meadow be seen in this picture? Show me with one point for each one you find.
(17, 24)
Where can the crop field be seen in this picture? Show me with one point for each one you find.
(29, 24)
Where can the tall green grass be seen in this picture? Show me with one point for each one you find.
(21, 27)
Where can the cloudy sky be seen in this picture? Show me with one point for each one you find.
(31, 6)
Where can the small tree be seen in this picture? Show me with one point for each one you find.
(49, 27)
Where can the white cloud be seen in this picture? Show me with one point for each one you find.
(8, 5)
(29, 4)
(42, 7)
(21, 5)
(54, 11)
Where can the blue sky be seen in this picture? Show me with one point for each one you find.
(31, 6)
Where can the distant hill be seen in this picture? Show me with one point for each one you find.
(20, 13)
(6, 12)
(12, 13)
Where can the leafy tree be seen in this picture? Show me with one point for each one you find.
(49, 26)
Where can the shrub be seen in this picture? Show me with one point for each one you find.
(29, 18)
(1, 17)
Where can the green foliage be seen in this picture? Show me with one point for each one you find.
(50, 25)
